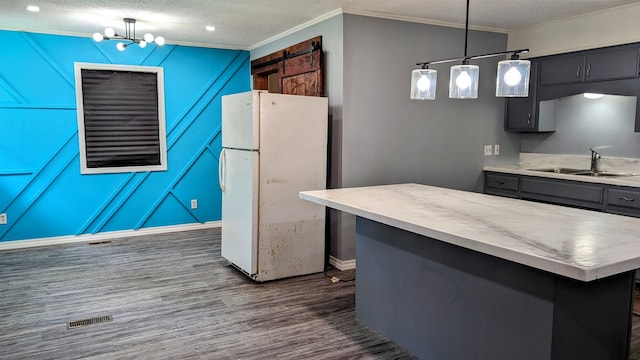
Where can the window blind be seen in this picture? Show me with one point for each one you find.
(121, 122)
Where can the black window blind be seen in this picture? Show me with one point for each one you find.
(121, 124)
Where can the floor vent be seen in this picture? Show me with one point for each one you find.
(100, 242)
(85, 322)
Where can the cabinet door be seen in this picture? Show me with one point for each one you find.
(520, 114)
(501, 184)
(610, 65)
(623, 201)
(563, 69)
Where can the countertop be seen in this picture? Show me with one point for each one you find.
(633, 181)
(580, 244)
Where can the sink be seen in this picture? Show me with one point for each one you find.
(604, 174)
(562, 170)
(583, 172)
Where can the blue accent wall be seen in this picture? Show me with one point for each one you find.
(41, 188)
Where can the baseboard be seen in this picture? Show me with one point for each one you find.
(28, 243)
(342, 264)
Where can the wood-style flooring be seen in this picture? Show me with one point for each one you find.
(173, 296)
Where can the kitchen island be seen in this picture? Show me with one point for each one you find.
(452, 274)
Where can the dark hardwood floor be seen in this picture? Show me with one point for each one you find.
(173, 296)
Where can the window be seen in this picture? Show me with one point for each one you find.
(121, 118)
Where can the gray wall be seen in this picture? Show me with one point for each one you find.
(379, 135)
(388, 138)
(606, 123)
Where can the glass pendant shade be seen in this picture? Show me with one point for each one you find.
(463, 82)
(513, 78)
(423, 84)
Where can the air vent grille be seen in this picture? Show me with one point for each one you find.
(85, 322)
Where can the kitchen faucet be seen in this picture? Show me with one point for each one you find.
(595, 156)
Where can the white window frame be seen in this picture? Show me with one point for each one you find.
(162, 131)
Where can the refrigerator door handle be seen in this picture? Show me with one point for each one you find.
(221, 169)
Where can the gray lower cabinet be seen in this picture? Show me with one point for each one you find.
(564, 192)
(622, 200)
(501, 184)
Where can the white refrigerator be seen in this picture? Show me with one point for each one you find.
(273, 147)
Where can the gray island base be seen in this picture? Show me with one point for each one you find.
(445, 288)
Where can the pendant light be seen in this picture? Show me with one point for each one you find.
(423, 84)
(463, 81)
(512, 78)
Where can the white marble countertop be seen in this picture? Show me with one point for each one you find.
(633, 181)
(529, 161)
(579, 244)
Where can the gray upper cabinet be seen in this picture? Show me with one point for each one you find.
(610, 70)
(561, 70)
(528, 114)
(593, 65)
(521, 112)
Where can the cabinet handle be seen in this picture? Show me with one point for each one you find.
(588, 70)
(499, 182)
(578, 72)
(626, 198)
(528, 118)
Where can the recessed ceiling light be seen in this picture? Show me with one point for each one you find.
(210, 27)
(33, 8)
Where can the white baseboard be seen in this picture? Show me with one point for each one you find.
(21, 244)
(342, 264)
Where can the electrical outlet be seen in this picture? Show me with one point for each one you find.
(488, 150)
(194, 203)
(496, 149)
(3, 219)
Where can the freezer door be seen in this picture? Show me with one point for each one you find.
(241, 121)
(239, 182)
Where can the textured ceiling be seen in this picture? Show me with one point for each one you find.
(245, 23)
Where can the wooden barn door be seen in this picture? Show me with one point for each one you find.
(296, 70)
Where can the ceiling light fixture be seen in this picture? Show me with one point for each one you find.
(129, 36)
(33, 8)
(512, 78)
(210, 28)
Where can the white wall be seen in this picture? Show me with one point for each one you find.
(609, 27)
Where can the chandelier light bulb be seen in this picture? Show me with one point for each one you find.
(463, 80)
(423, 83)
(148, 37)
(109, 32)
(142, 44)
(512, 77)
(121, 46)
(159, 40)
(97, 37)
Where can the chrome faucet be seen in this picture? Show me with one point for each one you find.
(595, 156)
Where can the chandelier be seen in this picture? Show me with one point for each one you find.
(129, 37)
